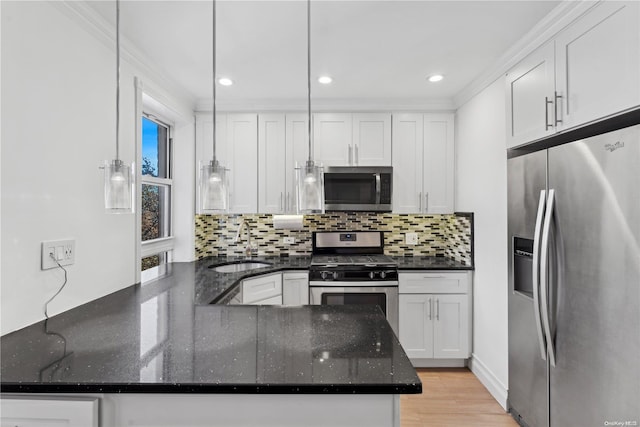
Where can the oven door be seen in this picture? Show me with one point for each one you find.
(347, 293)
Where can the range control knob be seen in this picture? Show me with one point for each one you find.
(383, 274)
(335, 275)
(323, 275)
(372, 275)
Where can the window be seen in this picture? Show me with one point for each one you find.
(156, 188)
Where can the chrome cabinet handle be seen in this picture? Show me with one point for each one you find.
(420, 202)
(426, 202)
(555, 109)
(357, 155)
(434, 277)
(430, 309)
(281, 201)
(535, 274)
(546, 113)
(438, 309)
(350, 155)
(544, 272)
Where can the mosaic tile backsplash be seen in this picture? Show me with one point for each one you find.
(438, 235)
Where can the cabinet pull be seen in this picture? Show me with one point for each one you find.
(426, 202)
(420, 201)
(555, 109)
(430, 309)
(438, 309)
(433, 277)
(546, 113)
(350, 155)
(281, 201)
(357, 155)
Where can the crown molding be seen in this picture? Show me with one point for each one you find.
(94, 24)
(558, 19)
(327, 105)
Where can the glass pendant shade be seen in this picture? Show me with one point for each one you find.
(214, 188)
(310, 188)
(118, 187)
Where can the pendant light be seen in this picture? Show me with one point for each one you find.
(214, 188)
(310, 177)
(118, 178)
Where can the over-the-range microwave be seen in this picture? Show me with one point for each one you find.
(358, 188)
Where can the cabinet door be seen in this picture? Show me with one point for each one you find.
(372, 139)
(46, 411)
(295, 288)
(438, 164)
(271, 167)
(407, 155)
(332, 139)
(530, 97)
(598, 63)
(262, 288)
(416, 325)
(242, 160)
(451, 327)
(297, 153)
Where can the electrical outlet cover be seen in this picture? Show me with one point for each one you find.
(411, 238)
(64, 252)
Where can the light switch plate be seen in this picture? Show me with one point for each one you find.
(289, 240)
(411, 238)
(64, 251)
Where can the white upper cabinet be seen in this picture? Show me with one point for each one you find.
(272, 168)
(530, 95)
(242, 159)
(297, 153)
(282, 144)
(598, 63)
(332, 134)
(371, 139)
(438, 163)
(589, 71)
(359, 139)
(237, 150)
(408, 144)
(423, 163)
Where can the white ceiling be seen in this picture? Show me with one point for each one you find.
(374, 50)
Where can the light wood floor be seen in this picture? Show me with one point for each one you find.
(452, 397)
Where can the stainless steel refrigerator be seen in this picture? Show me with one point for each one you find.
(574, 282)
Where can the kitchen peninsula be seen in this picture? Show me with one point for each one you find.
(158, 353)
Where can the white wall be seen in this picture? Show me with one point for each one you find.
(58, 125)
(481, 187)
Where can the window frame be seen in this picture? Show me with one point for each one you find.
(164, 245)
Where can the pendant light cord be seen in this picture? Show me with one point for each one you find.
(214, 79)
(117, 80)
(309, 73)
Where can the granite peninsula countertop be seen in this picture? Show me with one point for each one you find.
(169, 336)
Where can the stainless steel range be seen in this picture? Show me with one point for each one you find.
(350, 268)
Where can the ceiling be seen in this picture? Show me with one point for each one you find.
(374, 50)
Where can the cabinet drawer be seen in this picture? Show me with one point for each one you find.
(261, 288)
(434, 282)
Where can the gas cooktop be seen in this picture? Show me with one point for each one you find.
(373, 260)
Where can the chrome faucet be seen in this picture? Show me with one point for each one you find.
(249, 248)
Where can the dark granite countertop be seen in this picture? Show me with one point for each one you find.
(430, 263)
(154, 339)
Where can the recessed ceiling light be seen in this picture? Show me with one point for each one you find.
(325, 80)
(435, 78)
(225, 81)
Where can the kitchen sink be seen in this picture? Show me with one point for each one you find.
(239, 266)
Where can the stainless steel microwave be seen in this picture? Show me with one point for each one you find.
(358, 188)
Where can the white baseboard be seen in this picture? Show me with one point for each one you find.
(497, 389)
(439, 363)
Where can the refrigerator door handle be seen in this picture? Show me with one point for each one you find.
(544, 273)
(535, 271)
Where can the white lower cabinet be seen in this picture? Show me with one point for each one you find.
(295, 288)
(41, 411)
(435, 316)
(263, 290)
